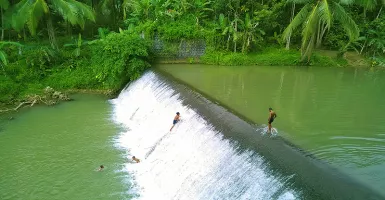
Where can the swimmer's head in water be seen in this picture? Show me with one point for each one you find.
(177, 113)
(270, 109)
(101, 166)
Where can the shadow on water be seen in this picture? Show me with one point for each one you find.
(315, 178)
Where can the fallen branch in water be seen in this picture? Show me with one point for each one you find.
(15, 109)
(50, 97)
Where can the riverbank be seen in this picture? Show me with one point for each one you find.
(91, 71)
(102, 66)
(274, 57)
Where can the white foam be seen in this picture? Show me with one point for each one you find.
(194, 161)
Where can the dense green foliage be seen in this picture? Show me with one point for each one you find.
(88, 44)
(105, 64)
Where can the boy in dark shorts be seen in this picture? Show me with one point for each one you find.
(176, 120)
(272, 116)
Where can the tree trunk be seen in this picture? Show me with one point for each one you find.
(51, 32)
(235, 46)
(244, 43)
(2, 24)
(291, 19)
(379, 12)
(235, 32)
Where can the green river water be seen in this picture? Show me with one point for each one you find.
(53, 152)
(335, 114)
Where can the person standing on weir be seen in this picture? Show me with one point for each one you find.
(272, 116)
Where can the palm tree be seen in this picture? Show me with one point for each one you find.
(317, 16)
(4, 4)
(251, 32)
(30, 12)
(291, 19)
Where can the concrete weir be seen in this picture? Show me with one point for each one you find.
(313, 178)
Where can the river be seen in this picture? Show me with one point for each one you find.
(332, 114)
(54, 152)
(335, 114)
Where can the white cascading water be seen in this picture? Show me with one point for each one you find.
(193, 161)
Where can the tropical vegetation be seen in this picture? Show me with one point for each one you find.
(103, 44)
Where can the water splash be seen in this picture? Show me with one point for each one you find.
(194, 161)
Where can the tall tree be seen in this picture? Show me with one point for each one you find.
(317, 16)
(30, 12)
(291, 19)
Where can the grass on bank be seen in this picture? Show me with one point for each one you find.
(103, 66)
(270, 57)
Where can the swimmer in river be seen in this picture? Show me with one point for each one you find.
(135, 159)
(101, 168)
(176, 120)
(272, 116)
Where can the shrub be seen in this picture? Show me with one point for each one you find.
(119, 58)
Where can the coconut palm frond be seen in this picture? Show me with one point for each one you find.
(346, 21)
(309, 48)
(66, 10)
(74, 12)
(325, 13)
(37, 10)
(84, 10)
(298, 20)
(310, 26)
(21, 14)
